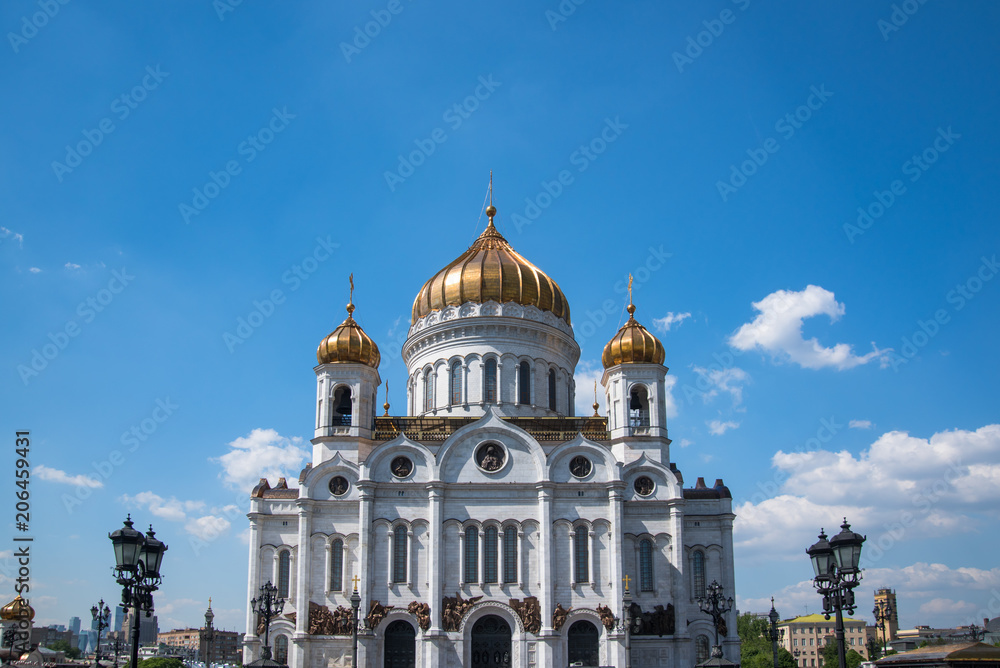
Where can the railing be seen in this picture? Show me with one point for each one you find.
(551, 429)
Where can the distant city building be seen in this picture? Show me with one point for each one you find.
(44, 636)
(74, 625)
(119, 617)
(992, 627)
(909, 639)
(886, 596)
(953, 655)
(806, 636)
(148, 628)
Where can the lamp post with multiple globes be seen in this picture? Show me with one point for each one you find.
(883, 613)
(716, 605)
(773, 632)
(137, 570)
(102, 616)
(267, 605)
(837, 566)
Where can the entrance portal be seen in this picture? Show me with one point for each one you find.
(400, 645)
(491, 643)
(583, 643)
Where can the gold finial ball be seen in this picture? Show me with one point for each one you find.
(631, 309)
(350, 307)
(385, 407)
(491, 211)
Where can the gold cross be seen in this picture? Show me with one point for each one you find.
(627, 580)
(630, 288)
(356, 578)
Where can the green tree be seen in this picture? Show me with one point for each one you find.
(63, 646)
(160, 662)
(755, 648)
(830, 659)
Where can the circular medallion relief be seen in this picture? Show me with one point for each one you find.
(401, 467)
(491, 457)
(644, 485)
(580, 466)
(339, 485)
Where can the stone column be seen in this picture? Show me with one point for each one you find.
(435, 553)
(391, 561)
(547, 648)
(461, 557)
(253, 585)
(302, 564)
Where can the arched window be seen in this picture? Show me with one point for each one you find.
(524, 383)
(697, 574)
(490, 382)
(646, 565)
(337, 565)
(343, 407)
(284, 573)
(428, 392)
(510, 554)
(581, 542)
(701, 649)
(638, 407)
(399, 554)
(281, 649)
(456, 383)
(490, 555)
(583, 642)
(552, 389)
(471, 555)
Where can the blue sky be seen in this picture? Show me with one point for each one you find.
(166, 167)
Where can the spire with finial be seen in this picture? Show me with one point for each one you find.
(631, 305)
(386, 404)
(596, 405)
(491, 210)
(350, 300)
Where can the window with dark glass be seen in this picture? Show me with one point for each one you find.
(638, 407)
(343, 407)
(490, 555)
(698, 572)
(471, 554)
(490, 381)
(337, 565)
(524, 383)
(428, 392)
(510, 554)
(646, 565)
(456, 383)
(284, 573)
(552, 389)
(399, 555)
(281, 649)
(582, 566)
(701, 648)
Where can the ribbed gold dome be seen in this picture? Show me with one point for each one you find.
(348, 344)
(632, 345)
(490, 271)
(13, 610)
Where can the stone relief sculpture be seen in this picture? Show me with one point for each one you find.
(607, 617)
(376, 613)
(559, 616)
(530, 613)
(454, 609)
(659, 622)
(323, 622)
(422, 612)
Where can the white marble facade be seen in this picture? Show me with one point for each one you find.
(492, 498)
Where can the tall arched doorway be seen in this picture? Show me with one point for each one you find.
(491, 643)
(583, 643)
(400, 645)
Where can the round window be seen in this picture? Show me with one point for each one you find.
(401, 467)
(339, 485)
(580, 466)
(491, 457)
(644, 485)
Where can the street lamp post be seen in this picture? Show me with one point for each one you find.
(716, 605)
(118, 646)
(836, 564)
(883, 613)
(773, 632)
(208, 635)
(355, 606)
(977, 633)
(137, 570)
(267, 605)
(102, 615)
(627, 616)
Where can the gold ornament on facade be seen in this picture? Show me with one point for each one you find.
(632, 344)
(17, 610)
(490, 271)
(348, 343)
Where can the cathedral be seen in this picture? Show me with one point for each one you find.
(488, 525)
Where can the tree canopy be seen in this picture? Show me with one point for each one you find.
(853, 658)
(755, 648)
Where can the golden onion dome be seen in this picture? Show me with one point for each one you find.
(633, 344)
(490, 271)
(16, 610)
(348, 343)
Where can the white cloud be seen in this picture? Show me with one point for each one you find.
(664, 324)
(902, 489)
(9, 234)
(263, 453)
(778, 330)
(34, 270)
(172, 509)
(207, 527)
(55, 475)
(729, 379)
(860, 424)
(718, 428)
(684, 443)
(589, 371)
(72, 266)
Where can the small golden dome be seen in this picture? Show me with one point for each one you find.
(632, 345)
(490, 271)
(16, 609)
(348, 344)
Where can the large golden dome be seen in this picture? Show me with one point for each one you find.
(16, 610)
(632, 344)
(490, 271)
(348, 344)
